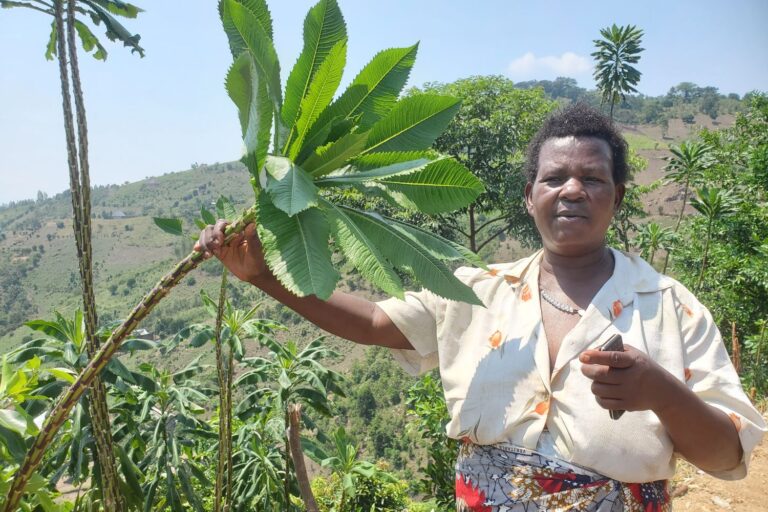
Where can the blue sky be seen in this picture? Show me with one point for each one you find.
(162, 113)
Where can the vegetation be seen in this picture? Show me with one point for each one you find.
(189, 435)
(614, 55)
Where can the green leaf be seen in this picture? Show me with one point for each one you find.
(323, 28)
(90, 41)
(259, 44)
(413, 124)
(334, 155)
(225, 209)
(296, 249)
(172, 226)
(289, 186)
(13, 420)
(207, 216)
(324, 84)
(441, 186)
(50, 49)
(370, 96)
(375, 90)
(260, 9)
(64, 374)
(438, 246)
(249, 94)
(353, 177)
(405, 252)
(362, 252)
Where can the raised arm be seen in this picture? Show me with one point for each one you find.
(345, 315)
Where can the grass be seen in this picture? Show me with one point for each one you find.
(642, 142)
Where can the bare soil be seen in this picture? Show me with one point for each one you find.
(700, 492)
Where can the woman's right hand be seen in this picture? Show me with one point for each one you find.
(243, 255)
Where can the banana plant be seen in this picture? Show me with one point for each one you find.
(366, 139)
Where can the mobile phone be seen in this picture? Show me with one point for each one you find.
(614, 344)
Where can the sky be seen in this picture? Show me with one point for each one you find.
(160, 114)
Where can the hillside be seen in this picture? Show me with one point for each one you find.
(38, 271)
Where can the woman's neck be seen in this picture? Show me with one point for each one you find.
(584, 266)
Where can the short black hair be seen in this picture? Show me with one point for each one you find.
(579, 120)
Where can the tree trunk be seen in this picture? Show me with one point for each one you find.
(80, 192)
(294, 440)
(472, 233)
(704, 258)
(677, 224)
(69, 398)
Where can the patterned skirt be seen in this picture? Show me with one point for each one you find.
(505, 478)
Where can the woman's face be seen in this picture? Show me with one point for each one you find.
(573, 198)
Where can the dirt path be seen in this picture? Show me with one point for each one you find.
(703, 493)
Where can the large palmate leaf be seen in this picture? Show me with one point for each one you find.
(404, 251)
(365, 139)
(321, 90)
(323, 28)
(289, 186)
(249, 94)
(414, 123)
(362, 252)
(296, 249)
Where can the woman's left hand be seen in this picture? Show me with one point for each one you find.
(629, 380)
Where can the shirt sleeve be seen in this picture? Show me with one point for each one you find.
(417, 319)
(710, 374)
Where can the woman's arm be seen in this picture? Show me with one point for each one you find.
(343, 314)
(631, 381)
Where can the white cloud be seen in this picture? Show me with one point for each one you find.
(529, 66)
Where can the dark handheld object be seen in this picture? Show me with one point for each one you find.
(614, 344)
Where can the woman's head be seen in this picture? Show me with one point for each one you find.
(579, 120)
(578, 182)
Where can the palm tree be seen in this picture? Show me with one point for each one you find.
(651, 238)
(713, 204)
(686, 166)
(614, 75)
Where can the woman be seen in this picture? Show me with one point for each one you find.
(526, 390)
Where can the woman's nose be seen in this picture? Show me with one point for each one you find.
(573, 189)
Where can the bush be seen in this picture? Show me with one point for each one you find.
(372, 494)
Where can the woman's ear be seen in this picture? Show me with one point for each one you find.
(528, 201)
(620, 190)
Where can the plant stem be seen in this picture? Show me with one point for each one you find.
(221, 374)
(61, 410)
(80, 193)
(294, 440)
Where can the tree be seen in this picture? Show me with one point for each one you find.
(99, 12)
(377, 143)
(300, 378)
(713, 204)
(652, 237)
(686, 166)
(489, 136)
(616, 51)
(63, 46)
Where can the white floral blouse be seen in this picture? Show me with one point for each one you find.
(494, 365)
